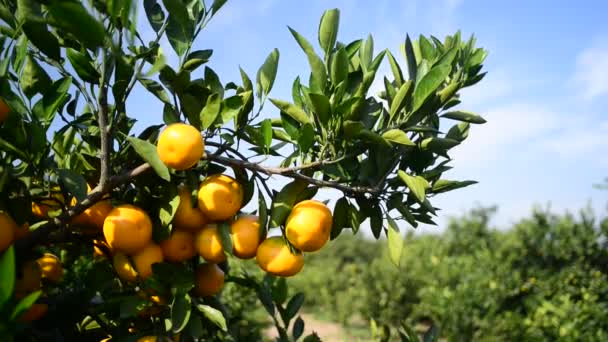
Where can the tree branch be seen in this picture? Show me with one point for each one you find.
(102, 118)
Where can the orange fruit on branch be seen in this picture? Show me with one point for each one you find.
(145, 258)
(123, 267)
(180, 146)
(50, 267)
(209, 280)
(178, 247)
(308, 226)
(208, 243)
(34, 313)
(29, 281)
(245, 233)
(188, 217)
(8, 227)
(95, 215)
(127, 229)
(220, 197)
(275, 257)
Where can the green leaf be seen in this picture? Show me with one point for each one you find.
(339, 66)
(262, 213)
(321, 107)
(231, 107)
(459, 132)
(34, 79)
(247, 85)
(429, 84)
(196, 59)
(211, 110)
(328, 29)
(397, 73)
(292, 110)
(284, 201)
(399, 100)
(319, 74)
(217, 4)
(7, 273)
(29, 15)
(306, 138)
(159, 63)
(55, 97)
(177, 33)
(74, 183)
(432, 335)
(75, 19)
(25, 303)
(169, 206)
(267, 74)
(464, 116)
(214, 315)
(266, 128)
(147, 151)
(444, 185)
(410, 56)
(416, 184)
(366, 53)
(438, 144)
(395, 241)
(339, 217)
(170, 115)
(298, 328)
(427, 50)
(156, 89)
(398, 136)
(294, 305)
(181, 308)
(155, 14)
(223, 229)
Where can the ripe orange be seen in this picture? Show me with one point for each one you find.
(30, 278)
(50, 267)
(147, 339)
(42, 208)
(178, 247)
(209, 280)
(34, 313)
(144, 259)
(127, 229)
(4, 110)
(124, 268)
(8, 227)
(188, 217)
(274, 257)
(209, 244)
(93, 216)
(220, 197)
(180, 146)
(245, 232)
(308, 225)
(98, 248)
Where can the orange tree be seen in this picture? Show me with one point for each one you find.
(110, 233)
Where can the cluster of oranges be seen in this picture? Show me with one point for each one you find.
(127, 229)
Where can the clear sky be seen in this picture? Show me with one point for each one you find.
(545, 97)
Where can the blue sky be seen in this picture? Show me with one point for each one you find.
(545, 97)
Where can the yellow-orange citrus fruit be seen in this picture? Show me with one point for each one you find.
(147, 339)
(34, 313)
(144, 259)
(50, 267)
(220, 197)
(98, 248)
(4, 110)
(208, 244)
(188, 217)
(127, 229)
(93, 216)
(30, 278)
(124, 268)
(42, 208)
(274, 257)
(7, 231)
(178, 247)
(209, 280)
(107, 339)
(308, 226)
(180, 146)
(245, 233)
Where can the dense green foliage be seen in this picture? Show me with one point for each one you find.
(543, 279)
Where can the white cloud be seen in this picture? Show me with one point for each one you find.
(583, 140)
(591, 73)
